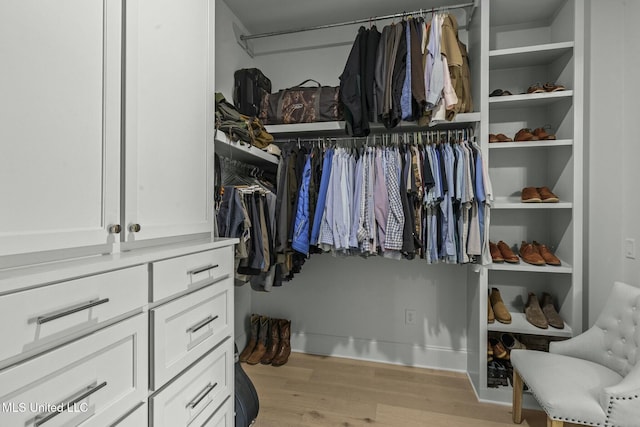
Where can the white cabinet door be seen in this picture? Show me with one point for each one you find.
(60, 68)
(169, 117)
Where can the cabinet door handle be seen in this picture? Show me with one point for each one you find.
(134, 228)
(81, 395)
(115, 229)
(202, 324)
(201, 395)
(67, 311)
(203, 269)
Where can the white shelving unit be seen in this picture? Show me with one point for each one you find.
(531, 43)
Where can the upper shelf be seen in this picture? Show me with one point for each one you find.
(527, 56)
(243, 152)
(531, 144)
(338, 128)
(528, 99)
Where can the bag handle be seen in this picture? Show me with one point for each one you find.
(307, 81)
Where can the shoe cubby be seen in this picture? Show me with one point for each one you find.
(514, 289)
(553, 112)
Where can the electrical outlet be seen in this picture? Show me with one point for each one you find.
(409, 316)
(630, 248)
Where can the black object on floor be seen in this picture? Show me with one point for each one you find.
(247, 404)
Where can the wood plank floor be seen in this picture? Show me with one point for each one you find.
(329, 391)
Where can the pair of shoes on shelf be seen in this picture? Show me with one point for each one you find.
(501, 137)
(547, 87)
(497, 310)
(542, 316)
(501, 252)
(269, 342)
(538, 134)
(538, 254)
(538, 195)
(500, 92)
(501, 348)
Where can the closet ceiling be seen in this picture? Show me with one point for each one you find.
(261, 16)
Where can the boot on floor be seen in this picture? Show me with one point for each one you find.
(284, 349)
(261, 345)
(274, 342)
(253, 338)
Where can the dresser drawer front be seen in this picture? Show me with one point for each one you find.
(198, 392)
(223, 417)
(138, 418)
(179, 274)
(43, 316)
(188, 327)
(100, 377)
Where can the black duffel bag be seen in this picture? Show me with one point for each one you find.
(300, 104)
(247, 404)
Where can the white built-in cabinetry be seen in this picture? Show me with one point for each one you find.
(529, 44)
(106, 123)
(93, 154)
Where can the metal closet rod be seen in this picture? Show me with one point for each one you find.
(357, 21)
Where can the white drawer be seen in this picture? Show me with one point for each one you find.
(186, 328)
(42, 316)
(198, 392)
(104, 374)
(138, 418)
(179, 274)
(223, 417)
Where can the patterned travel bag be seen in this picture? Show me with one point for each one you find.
(301, 104)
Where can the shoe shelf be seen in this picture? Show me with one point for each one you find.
(530, 144)
(244, 152)
(564, 268)
(520, 325)
(528, 56)
(529, 99)
(338, 128)
(515, 203)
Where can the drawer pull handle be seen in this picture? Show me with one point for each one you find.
(67, 311)
(203, 269)
(202, 324)
(83, 394)
(201, 395)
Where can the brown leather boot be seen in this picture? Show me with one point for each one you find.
(549, 310)
(499, 308)
(284, 349)
(261, 345)
(274, 342)
(253, 338)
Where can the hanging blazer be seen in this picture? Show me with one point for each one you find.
(351, 85)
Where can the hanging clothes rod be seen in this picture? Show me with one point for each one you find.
(244, 38)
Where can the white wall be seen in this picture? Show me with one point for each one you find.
(613, 150)
(631, 153)
(355, 307)
(230, 57)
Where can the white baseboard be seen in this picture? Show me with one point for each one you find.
(380, 351)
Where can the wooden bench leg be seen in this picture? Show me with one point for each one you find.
(517, 397)
(554, 423)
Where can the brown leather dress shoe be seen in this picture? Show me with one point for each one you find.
(498, 349)
(530, 195)
(547, 195)
(546, 254)
(499, 309)
(530, 255)
(536, 88)
(543, 135)
(552, 87)
(507, 253)
(492, 138)
(525, 135)
(496, 255)
(534, 314)
(549, 310)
